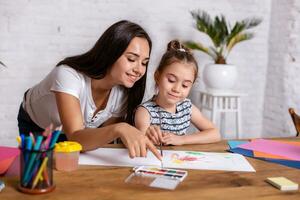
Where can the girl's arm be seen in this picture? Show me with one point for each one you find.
(92, 138)
(207, 133)
(142, 122)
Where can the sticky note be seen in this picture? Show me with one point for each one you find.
(282, 183)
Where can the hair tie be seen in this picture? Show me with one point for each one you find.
(182, 50)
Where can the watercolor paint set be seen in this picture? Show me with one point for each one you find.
(154, 176)
(161, 172)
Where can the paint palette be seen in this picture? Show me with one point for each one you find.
(156, 177)
(161, 172)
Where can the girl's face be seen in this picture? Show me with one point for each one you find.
(175, 82)
(131, 65)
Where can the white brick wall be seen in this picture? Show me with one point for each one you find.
(35, 35)
(283, 84)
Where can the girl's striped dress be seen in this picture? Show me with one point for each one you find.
(176, 123)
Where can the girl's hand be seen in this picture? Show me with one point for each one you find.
(136, 142)
(170, 138)
(154, 134)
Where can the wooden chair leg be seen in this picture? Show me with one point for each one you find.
(296, 120)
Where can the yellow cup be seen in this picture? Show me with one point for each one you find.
(67, 155)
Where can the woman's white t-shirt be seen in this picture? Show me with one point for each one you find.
(41, 106)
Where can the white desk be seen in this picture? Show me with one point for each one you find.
(220, 103)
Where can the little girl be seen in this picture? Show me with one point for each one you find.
(166, 117)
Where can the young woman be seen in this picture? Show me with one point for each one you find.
(166, 117)
(91, 95)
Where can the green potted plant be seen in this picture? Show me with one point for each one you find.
(220, 75)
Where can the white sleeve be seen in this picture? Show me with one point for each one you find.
(67, 80)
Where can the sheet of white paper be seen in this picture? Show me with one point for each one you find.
(171, 159)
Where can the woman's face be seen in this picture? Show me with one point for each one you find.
(131, 65)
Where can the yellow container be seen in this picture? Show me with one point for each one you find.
(67, 155)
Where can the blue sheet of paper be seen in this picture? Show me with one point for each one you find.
(235, 143)
(249, 153)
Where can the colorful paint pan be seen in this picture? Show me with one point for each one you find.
(162, 173)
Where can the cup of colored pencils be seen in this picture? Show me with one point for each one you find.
(36, 160)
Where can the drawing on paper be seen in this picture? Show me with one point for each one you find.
(175, 158)
(189, 157)
(171, 159)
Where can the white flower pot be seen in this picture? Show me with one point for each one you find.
(219, 77)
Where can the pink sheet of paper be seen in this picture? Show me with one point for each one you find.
(8, 152)
(273, 147)
(7, 156)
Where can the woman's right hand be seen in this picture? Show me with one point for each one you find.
(136, 142)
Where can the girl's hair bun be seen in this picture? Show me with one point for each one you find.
(175, 45)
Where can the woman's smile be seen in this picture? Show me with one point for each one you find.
(133, 78)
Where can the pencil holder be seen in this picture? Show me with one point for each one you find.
(36, 175)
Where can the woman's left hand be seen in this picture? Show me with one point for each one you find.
(170, 138)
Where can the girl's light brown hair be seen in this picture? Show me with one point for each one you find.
(176, 52)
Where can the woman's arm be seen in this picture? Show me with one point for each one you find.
(92, 138)
(207, 133)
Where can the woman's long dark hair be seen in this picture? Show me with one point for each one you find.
(110, 46)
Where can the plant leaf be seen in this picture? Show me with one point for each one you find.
(224, 37)
(251, 22)
(220, 25)
(238, 38)
(198, 46)
(219, 58)
(1, 63)
(204, 24)
(242, 26)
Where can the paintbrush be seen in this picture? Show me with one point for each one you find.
(160, 145)
(161, 153)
